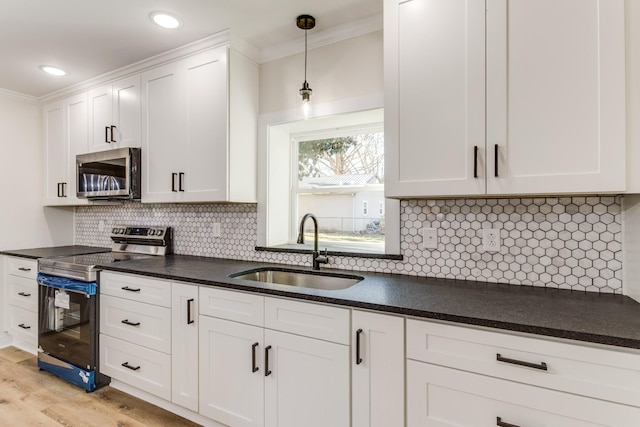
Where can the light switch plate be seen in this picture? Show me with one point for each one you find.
(429, 238)
(215, 231)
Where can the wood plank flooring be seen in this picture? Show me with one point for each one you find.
(30, 397)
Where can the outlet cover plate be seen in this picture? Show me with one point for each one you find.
(491, 239)
(429, 238)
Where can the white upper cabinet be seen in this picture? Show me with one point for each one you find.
(65, 133)
(114, 115)
(199, 129)
(504, 97)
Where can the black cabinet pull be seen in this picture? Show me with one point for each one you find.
(189, 319)
(63, 185)
(254, 368)
(358, 358)
(180, 181)
(112, 129)
(106, 134)
(128, 289)
(23, 326)
(126, 322)
(59, 189)
(267, 372)
(542, 366)
(495, 160)
(22, 294)
(133, 368)
(173, 181)
(501, 423)
(24, 269)
(475, 161)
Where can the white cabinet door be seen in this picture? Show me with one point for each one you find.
(56, 153)
(377, 370)
(184, 345)
(114, 115)
(65, 130)
(205, 139)
(441, 397)
(126, 112)
(100, 118)
(231, 372)
(306, 383)
(555, 96)
(434, 97)
(162, 133)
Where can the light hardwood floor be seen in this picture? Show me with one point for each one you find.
(30, 397)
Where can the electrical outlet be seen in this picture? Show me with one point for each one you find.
(490, 239)
(215, 231)
(429, 238)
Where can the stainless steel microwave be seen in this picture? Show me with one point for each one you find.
(109, 175)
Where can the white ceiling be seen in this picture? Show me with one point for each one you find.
(88, 38)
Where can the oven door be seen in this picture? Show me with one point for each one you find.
(66, 320)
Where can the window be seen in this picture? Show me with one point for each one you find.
(336, 173)
(328, 166)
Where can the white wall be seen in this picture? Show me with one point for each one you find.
(343, 70)
(24, 222)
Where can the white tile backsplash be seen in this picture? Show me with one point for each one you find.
(560, 242)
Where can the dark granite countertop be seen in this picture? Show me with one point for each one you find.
(583, 316)
(56, 251)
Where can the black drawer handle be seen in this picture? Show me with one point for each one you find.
(128, 289)
(267, 372)
(133, 368)
(501, 423)
(254, 368)
(358, 358)
(542, 366)
(23, 326)
(24, 269)
(22, 294)
(126, 322)
(189, 303)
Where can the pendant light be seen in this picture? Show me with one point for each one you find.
(305, 22)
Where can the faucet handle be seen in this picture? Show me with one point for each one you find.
(323, 259)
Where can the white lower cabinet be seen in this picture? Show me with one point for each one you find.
(256, 376)
(184, 345)
(21, 294)
(461, 376)
(377, 370)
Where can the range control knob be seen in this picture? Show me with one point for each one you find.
(159, 232)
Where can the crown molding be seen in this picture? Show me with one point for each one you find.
(19, 96)
(215, 40)
(323, 38)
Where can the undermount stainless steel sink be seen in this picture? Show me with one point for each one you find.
(300, 278)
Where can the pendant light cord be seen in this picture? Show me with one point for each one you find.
(305, 55)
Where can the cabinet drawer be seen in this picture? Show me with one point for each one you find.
(147, 370)
(23, 325)
(595, 372)
(143, 324)
(236, 306)
(441, 397)
(136, 288)
(311, 320)
(22, 267)
(23, 292)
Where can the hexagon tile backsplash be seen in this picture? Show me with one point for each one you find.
(560, 242)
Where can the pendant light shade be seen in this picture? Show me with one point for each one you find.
(305, 22)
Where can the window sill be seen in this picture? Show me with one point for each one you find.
(307, 249)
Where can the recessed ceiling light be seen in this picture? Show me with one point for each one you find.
(54, 71)
(166, 20)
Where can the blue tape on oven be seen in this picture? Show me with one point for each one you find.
(89, 288)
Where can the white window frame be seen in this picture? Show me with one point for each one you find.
(273, 149)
